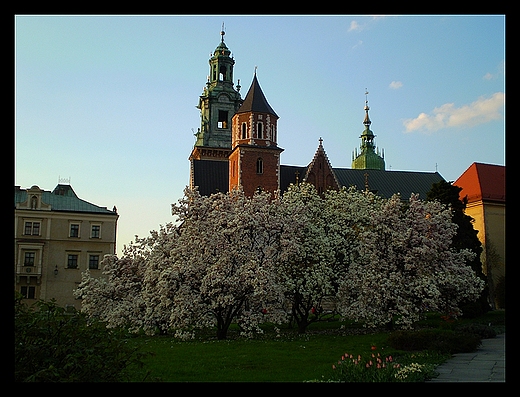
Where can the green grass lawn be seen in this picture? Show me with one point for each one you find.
(268, 358)
(296, 359)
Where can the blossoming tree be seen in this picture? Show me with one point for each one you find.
(116, 297)
(223, 266)
(405, 265)
(305, 268)
(229, 258)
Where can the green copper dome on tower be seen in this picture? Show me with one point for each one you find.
(368, 158)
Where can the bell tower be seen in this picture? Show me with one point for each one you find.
(217, 104)
(254, 162)
(368, 158)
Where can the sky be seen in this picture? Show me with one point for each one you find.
(108, 102)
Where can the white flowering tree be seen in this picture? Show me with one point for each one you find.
(233, 259)
(223, 266)
(116, 296)
(306, 262)
(405, 265)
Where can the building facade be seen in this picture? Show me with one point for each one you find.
(484, 188)
(57, 236)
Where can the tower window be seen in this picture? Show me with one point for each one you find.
(259, 166)
(222, 119)
(244, 130)
(260, 131)
(222, 74)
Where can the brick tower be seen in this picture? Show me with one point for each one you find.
(254, 161)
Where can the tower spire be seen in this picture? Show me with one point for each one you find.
(368, 158)
(222, 32)
(366, 121)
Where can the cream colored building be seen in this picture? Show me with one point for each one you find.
(484, 187)
(57, 237)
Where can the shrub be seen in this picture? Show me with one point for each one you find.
(481, 330)
(443, 341)
(52, 344)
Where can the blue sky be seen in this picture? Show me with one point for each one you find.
(109, 101)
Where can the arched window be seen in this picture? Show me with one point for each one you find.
(244, 130)
(222, 74)
(34, 202)
(259, 166)
(260, 131)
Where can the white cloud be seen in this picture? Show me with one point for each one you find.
(499, 71)
(478, 112)
(355, 26)
(395, 85)
(357, 44)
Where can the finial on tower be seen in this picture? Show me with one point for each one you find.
(222, 32)
(255, 69)
(366, 121)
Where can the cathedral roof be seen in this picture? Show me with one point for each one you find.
(381, 182)
(212, 176)
(255, 100)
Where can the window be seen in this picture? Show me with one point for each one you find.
(244, 130)
(74, 230)
(222, 74)
(95, 231)
(260, 130)
(93, 262)
(28, 259)
(32, 228)
(222, 119)
(27, 292)
(34, 202)
(259, 166)
(72, 261)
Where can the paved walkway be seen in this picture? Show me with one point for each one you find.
(487, 364)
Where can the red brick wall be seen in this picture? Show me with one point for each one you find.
(244, 158)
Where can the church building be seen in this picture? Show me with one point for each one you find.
(236, 145)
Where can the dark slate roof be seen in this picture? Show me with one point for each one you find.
(255, 100)
(213, 176)
(288, 175)
(386, 183)
(62, 198)
(210, 176)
